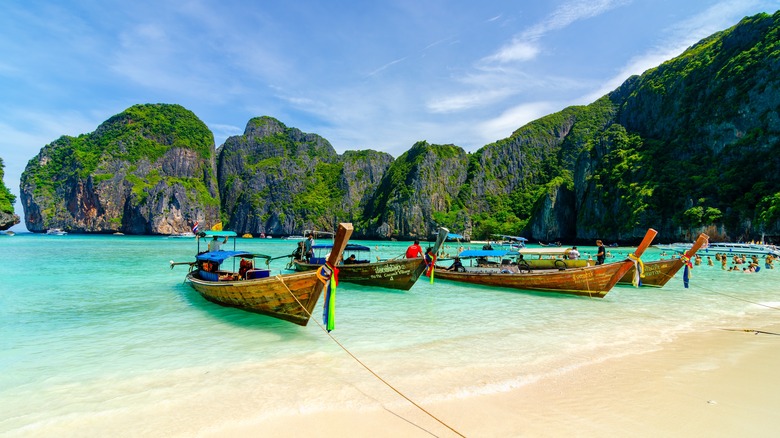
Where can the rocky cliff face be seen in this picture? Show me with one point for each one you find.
(7, 216)
(422, 182)
(8, 220)
(278, 180)
(360, 177)
(148, 170)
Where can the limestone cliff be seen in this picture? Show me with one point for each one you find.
(7, 216)
(147, 170)
(278, 180)
(421, 183)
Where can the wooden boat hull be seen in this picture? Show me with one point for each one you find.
(394, 274)
(656, 273)
(269, 296)
(590, 281)
(289, 297)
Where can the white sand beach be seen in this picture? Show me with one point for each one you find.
(717, 383)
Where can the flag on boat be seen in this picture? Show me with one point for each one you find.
(195, 227)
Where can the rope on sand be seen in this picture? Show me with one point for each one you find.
(752, 331)
(279, 277)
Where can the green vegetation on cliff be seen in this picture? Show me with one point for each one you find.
(709, 123)
(154, 152)
(7, 199)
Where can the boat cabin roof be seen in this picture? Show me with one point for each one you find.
(515, 238)
(486, 253)
(349, 247)
(221, 256)
(557, 251)
(211, 233)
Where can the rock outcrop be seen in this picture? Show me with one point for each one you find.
(278, 180)
(7, 216)
(148, 170)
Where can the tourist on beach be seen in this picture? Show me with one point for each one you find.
(414, 251)
(601, 253)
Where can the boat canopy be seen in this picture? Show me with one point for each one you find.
(349, 247)
(557, 251)
(221, 256)
(487, 253)
(515, 238)
(222, 233)
(454, 236)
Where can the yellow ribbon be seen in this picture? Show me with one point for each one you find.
(639, 269)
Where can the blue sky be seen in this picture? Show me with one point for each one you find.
(363, 74)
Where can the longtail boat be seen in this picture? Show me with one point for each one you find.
(290, 297)
(397, 273)
(592, 281)
(658, 272)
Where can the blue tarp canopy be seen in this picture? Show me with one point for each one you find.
(349, 247)
(487, 253)
(220, 256)
(517, 238)
(454, 236)
(219, 233)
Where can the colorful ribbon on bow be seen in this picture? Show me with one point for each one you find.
(639, 270)
(687, 273)
(329, 275)
(430, 261)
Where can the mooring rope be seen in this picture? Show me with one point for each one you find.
(279, 277)
(738, 299)
(732, 296)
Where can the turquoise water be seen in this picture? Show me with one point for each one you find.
(100, 337)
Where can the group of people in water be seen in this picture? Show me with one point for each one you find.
(739, 262)
(743, 263)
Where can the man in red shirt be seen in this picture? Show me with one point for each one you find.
(414, 250)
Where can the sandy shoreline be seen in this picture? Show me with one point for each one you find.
(708, 384)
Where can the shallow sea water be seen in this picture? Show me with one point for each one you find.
(100, 337)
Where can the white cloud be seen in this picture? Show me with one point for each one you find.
(569, 13)
(468, 100)
(524, 47)
(513, 118)
(679, 37)
(515, 51)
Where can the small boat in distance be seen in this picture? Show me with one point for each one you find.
(182, 235)
(290, 297)
(657, 273)
(726, 248)
(55, 232)
(592, 281)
